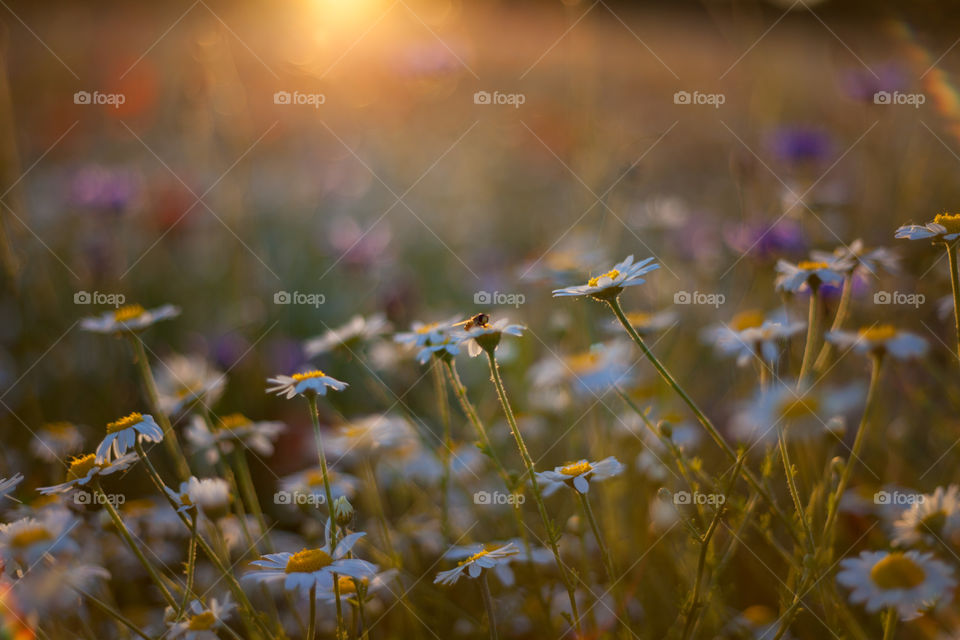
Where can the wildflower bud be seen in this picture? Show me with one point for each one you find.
(837, 465)
(666, 429)
(489, 341)
(574, 525)
(342, 511)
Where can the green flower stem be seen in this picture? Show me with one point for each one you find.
(249, 493)
(128, 538)
(843, 308)
(113, 613)
(191, 566)
(604, 552)
(748, 475)
(794, 492)
(232, 582)
(312, 625)
(834, 503)
(488, 605)
(890, 624)
(150, 386)
(446, 446)
(955, 284)
(552, 536)
(321, 454)
(813, 325)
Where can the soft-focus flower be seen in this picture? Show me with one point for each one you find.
(590, 372)
(932, 518)
(83, 469)
(750, 334)
(230, 430)
(372, 585)
(611, 283)
(7, 485)
(805, 275)
(881, 340)
(431, 338)
(122, 434)
(24, 541)
(312, 568)
(202, 622)
(54, 441)
(473, 566)
(907, 581)
(944, 228)
(130, 318)
(183, 380)
(578, 475)
(305, 384)
(210, 495)
(855, 258)
(309, 482)
(487, 336)
(802, 413)
(371, 435)
(349, 336)
(763, 240)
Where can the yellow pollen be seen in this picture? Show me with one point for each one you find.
(80, 466)
(427, 328)
(880, 333)
(128, 312)
(201, 621)
(30, 535)
(347, 585)
(949, 220)
(308, 561)
(583, 361)
(897, 571)
(812, 266)
(476, 556)
(58, 428)
(576, 469)
(749, 319)
(233, 421)
(613, 273)
(300, 377)
(759, 615)
(124, 423)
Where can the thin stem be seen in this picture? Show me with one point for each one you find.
(813, 324)
(843, 308)
(113, 613)
(717, 437)
(446, 446)
(792, 486)
(537, 496)
(191, 566)
(890, 624)
(249, 493)
(488, 605)
(150, 386)
(955, 283)
(604, 552)
(312, 625)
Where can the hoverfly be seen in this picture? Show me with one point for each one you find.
(479, 320)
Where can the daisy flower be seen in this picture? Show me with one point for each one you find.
(308, 383)
(201, 622)
(129, 318)
(310, 482)
(183, 380)
(229, 430)
(431, 338)
(348, 336)
(855, 258)
(371, 435)
(931, 518)
(26, 540)
(944, 228)
(578, 475)
(880, 340)
(487, 336)
(610, 284)
(795, 278)
(473, 566)
(537, 555)
(312, 568)
(211, 495)
(803, 413)
(7, 485)
(83, 469)
(123, 433)
(54, 441)
(907, 581)
(750, 334)
(591, 372)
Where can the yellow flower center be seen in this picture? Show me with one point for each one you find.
(807, 265)
(308, 561)
(583, 361)
(58, 428)
(314, 477)
(799, 407)
(202, 621)
(30, 535)
(613, 273)
(474, 557)
(233, 421)
(427, 328)
(300, 377)
(576, 469)
(749, 319)
(949, 220)
(347, 584)
(124, 423)
(128, 312)
(897, 571)
(80, 466)
(188, 390)
(880, 333)
(759, 615)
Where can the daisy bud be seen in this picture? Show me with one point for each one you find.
(837, 465)
(666, 430)
(574, 525)
(343, 511)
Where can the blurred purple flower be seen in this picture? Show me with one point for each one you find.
(763, 240)
(797, 144)
(104, 188)
(860, 84)
(356, 246)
